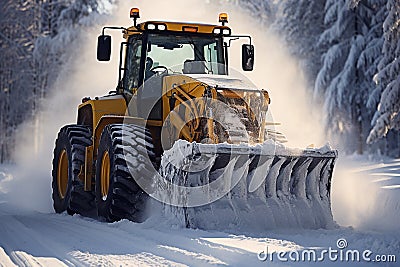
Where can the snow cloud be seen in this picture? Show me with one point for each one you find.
(365, 194)
(81, 75)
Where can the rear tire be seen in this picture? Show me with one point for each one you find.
(70, 146)
(124, 150)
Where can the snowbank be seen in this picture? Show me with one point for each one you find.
(366, 193)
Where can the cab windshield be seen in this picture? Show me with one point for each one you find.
(186, 53)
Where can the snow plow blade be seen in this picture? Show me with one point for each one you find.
(266, 186)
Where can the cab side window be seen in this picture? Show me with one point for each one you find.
(132, 64)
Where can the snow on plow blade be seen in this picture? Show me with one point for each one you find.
(259, 187)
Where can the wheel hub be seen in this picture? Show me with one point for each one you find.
(105, 175)
(62, 174)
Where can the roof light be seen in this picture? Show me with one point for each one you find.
(217, 31)
(223, 18)
(151, 26)
(189, 29)
(222, 31)
(134, 14)
(226, 32)
(161, 27)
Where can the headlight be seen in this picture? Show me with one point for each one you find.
(223, 31)
(151, 26)
(217, 31)
(226, 32)
(161, 27)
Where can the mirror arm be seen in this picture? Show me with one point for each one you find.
(118, 28)
(236, 37)
(112, 28)
(230, 41)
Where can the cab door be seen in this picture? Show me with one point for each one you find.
(133, 71)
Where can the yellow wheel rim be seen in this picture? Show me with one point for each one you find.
(105, 175)
(62, 174)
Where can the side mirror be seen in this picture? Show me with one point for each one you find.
(104, 48)
(247, 57)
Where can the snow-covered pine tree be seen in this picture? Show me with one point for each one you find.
(302, 22)
(368, 64)
(65, 22)
(261, 9)
(344, 80)
(18, 71)
(387, 116)
(33, 34)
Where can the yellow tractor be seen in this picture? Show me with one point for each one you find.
(179, 121)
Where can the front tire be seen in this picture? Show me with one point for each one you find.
(125, 153)
(62, 171)
(68, 162)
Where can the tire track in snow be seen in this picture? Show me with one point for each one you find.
(76, 241)
(15, 237)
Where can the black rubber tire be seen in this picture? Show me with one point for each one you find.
(74, 139)
(131, 152)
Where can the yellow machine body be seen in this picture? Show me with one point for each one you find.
(175, 84)
(100, 112)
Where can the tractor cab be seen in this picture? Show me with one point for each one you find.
(154, 49)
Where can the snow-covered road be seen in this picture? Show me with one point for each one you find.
(31, 238)
(35, 239)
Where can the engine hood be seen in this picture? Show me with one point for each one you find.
(224, 81)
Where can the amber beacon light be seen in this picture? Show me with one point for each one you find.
(223, 18)
(134, 14)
